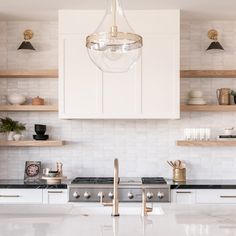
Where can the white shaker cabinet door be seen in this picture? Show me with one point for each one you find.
(79, 91)
(160, 76)
(149, 90)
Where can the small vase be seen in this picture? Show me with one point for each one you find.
(235, 99)
(10, 136)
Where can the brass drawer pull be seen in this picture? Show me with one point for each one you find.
(184, 192)
(228, 196)
(55, 191)
(9, 195)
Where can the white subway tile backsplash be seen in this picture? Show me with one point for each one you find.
(142, 146)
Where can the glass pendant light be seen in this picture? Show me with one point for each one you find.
(114, 47)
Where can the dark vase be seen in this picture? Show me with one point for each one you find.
(235, 99)
(40, 129)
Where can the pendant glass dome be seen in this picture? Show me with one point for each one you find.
(114, 47)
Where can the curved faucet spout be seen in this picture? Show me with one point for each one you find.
(115, 207)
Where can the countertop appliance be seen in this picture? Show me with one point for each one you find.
(89, 189)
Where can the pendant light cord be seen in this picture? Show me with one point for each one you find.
(114, 28)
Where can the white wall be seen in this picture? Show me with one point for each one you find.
(142, 146)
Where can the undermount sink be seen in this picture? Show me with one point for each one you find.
(125, 209)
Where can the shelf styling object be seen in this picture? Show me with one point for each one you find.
(26, 44)
(37, 101)
(16, 99)
(233, 93)
(11, 127)
(114, 47)
(54, 180)
(40, 132)
(32, 171)
(215, 45)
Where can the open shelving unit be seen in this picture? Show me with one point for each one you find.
(49, 108)
(212, 143)
(208, 73)
(32, 143)
(207, 108)
(29, 74)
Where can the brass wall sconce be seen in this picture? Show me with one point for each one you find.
(213, 35)
(26, 44)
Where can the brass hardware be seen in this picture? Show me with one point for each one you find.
(28, 34)
(55, 191)
(100, 195)
(184, 192)
(136, 41)
(212, 34)
(179, 175)
(9, 195)
(145, 209)
(228, 196)
(114, 31)
(115, 201)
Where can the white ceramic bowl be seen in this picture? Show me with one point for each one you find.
(16, 99)
(195, 94)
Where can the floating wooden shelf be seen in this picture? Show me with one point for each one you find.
(32, 143)
(52, 108)
(206, 143)
(28, 73)
(208, 108)
(208, 73)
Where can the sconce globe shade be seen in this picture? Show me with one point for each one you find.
(114, 47)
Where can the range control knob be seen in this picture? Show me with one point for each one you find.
(160, 195)
(76, 195)
(87, 195)
(110, 195)
(149, 195)
(130, 195)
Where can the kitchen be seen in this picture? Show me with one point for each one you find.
(93, 118)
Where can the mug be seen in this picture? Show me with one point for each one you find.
(223, 96)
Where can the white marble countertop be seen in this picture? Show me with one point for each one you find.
(167, 220)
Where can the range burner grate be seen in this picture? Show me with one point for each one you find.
(153, 180)
(93, 180)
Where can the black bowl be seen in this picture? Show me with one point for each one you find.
(40, 129)
(40, 137)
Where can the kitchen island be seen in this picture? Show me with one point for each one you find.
(167, 220)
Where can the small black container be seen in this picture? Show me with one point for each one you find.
(40, 129)
(235, 99)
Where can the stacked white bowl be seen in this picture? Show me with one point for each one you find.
(195, 98)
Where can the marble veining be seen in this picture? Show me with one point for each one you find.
(64, 220)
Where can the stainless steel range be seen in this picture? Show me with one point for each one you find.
(90, 189)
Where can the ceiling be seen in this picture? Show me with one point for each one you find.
(47, 9)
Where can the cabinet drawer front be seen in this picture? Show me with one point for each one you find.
(21, 196)
(55, 196)
(223, 196)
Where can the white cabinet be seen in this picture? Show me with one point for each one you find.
(55, 196)
(211, 196)
(24, 196)
(183, 196)
(203, 196)
(149, 90)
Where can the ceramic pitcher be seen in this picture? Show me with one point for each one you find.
(223, 96)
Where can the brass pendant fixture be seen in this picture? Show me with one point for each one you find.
(114, 47)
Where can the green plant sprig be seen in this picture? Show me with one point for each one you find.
(8, 125)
